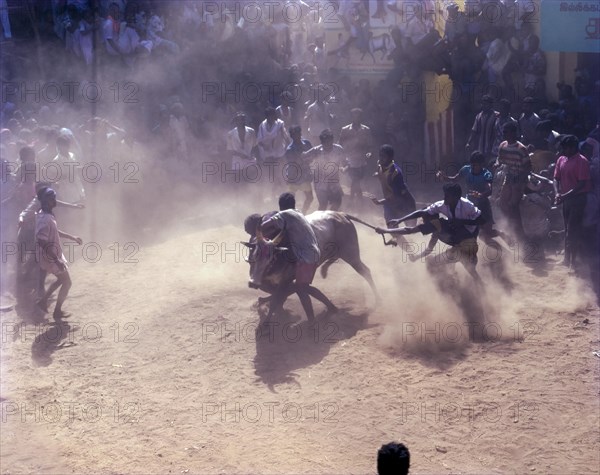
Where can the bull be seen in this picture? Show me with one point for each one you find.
(381, 43)
(272, 266)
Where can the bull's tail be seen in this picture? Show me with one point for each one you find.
(354, 218)
(386, 243)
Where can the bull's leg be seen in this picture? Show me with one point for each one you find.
(277, 301)
(325, 267)
(363, 270)
(306, 303)
(320, 296)
(303, 291)
(272, 290)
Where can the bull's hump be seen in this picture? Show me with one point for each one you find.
(329, 226)
(328, 215)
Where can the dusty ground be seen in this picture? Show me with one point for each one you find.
(159, 370)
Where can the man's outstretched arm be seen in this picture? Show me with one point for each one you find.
(413, 230)
(414, 215)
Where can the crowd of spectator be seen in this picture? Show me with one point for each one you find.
(210, 85)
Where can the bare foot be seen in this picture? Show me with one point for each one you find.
(42, 305)
(332, 309)
(59, 315)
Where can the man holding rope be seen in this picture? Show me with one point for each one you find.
(459, 230)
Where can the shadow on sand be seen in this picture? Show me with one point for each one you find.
(55, 337)
(442, 345)
(286, 344)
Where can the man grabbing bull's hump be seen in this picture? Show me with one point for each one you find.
(304, 246)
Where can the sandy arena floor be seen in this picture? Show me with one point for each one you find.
(159, 370)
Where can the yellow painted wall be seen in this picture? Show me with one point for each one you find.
(435, 105)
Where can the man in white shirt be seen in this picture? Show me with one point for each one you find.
(84, 37)
(241, 140)
(272, 137)
(272, 140)
(121, 38)
(285, 111)
(459, 230)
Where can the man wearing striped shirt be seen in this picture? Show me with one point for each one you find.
(513, 155)
(483, 132)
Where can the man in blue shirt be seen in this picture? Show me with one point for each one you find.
(479, 189)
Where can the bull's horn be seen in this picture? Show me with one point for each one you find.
(278, 238)
(251, 245)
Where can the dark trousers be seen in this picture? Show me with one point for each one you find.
(573, 208)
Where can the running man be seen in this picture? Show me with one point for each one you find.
(26, 242)
(398, 200)
(51, 257)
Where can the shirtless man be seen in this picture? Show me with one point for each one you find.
(356, 140)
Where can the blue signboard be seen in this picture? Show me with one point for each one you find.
(570, 26)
